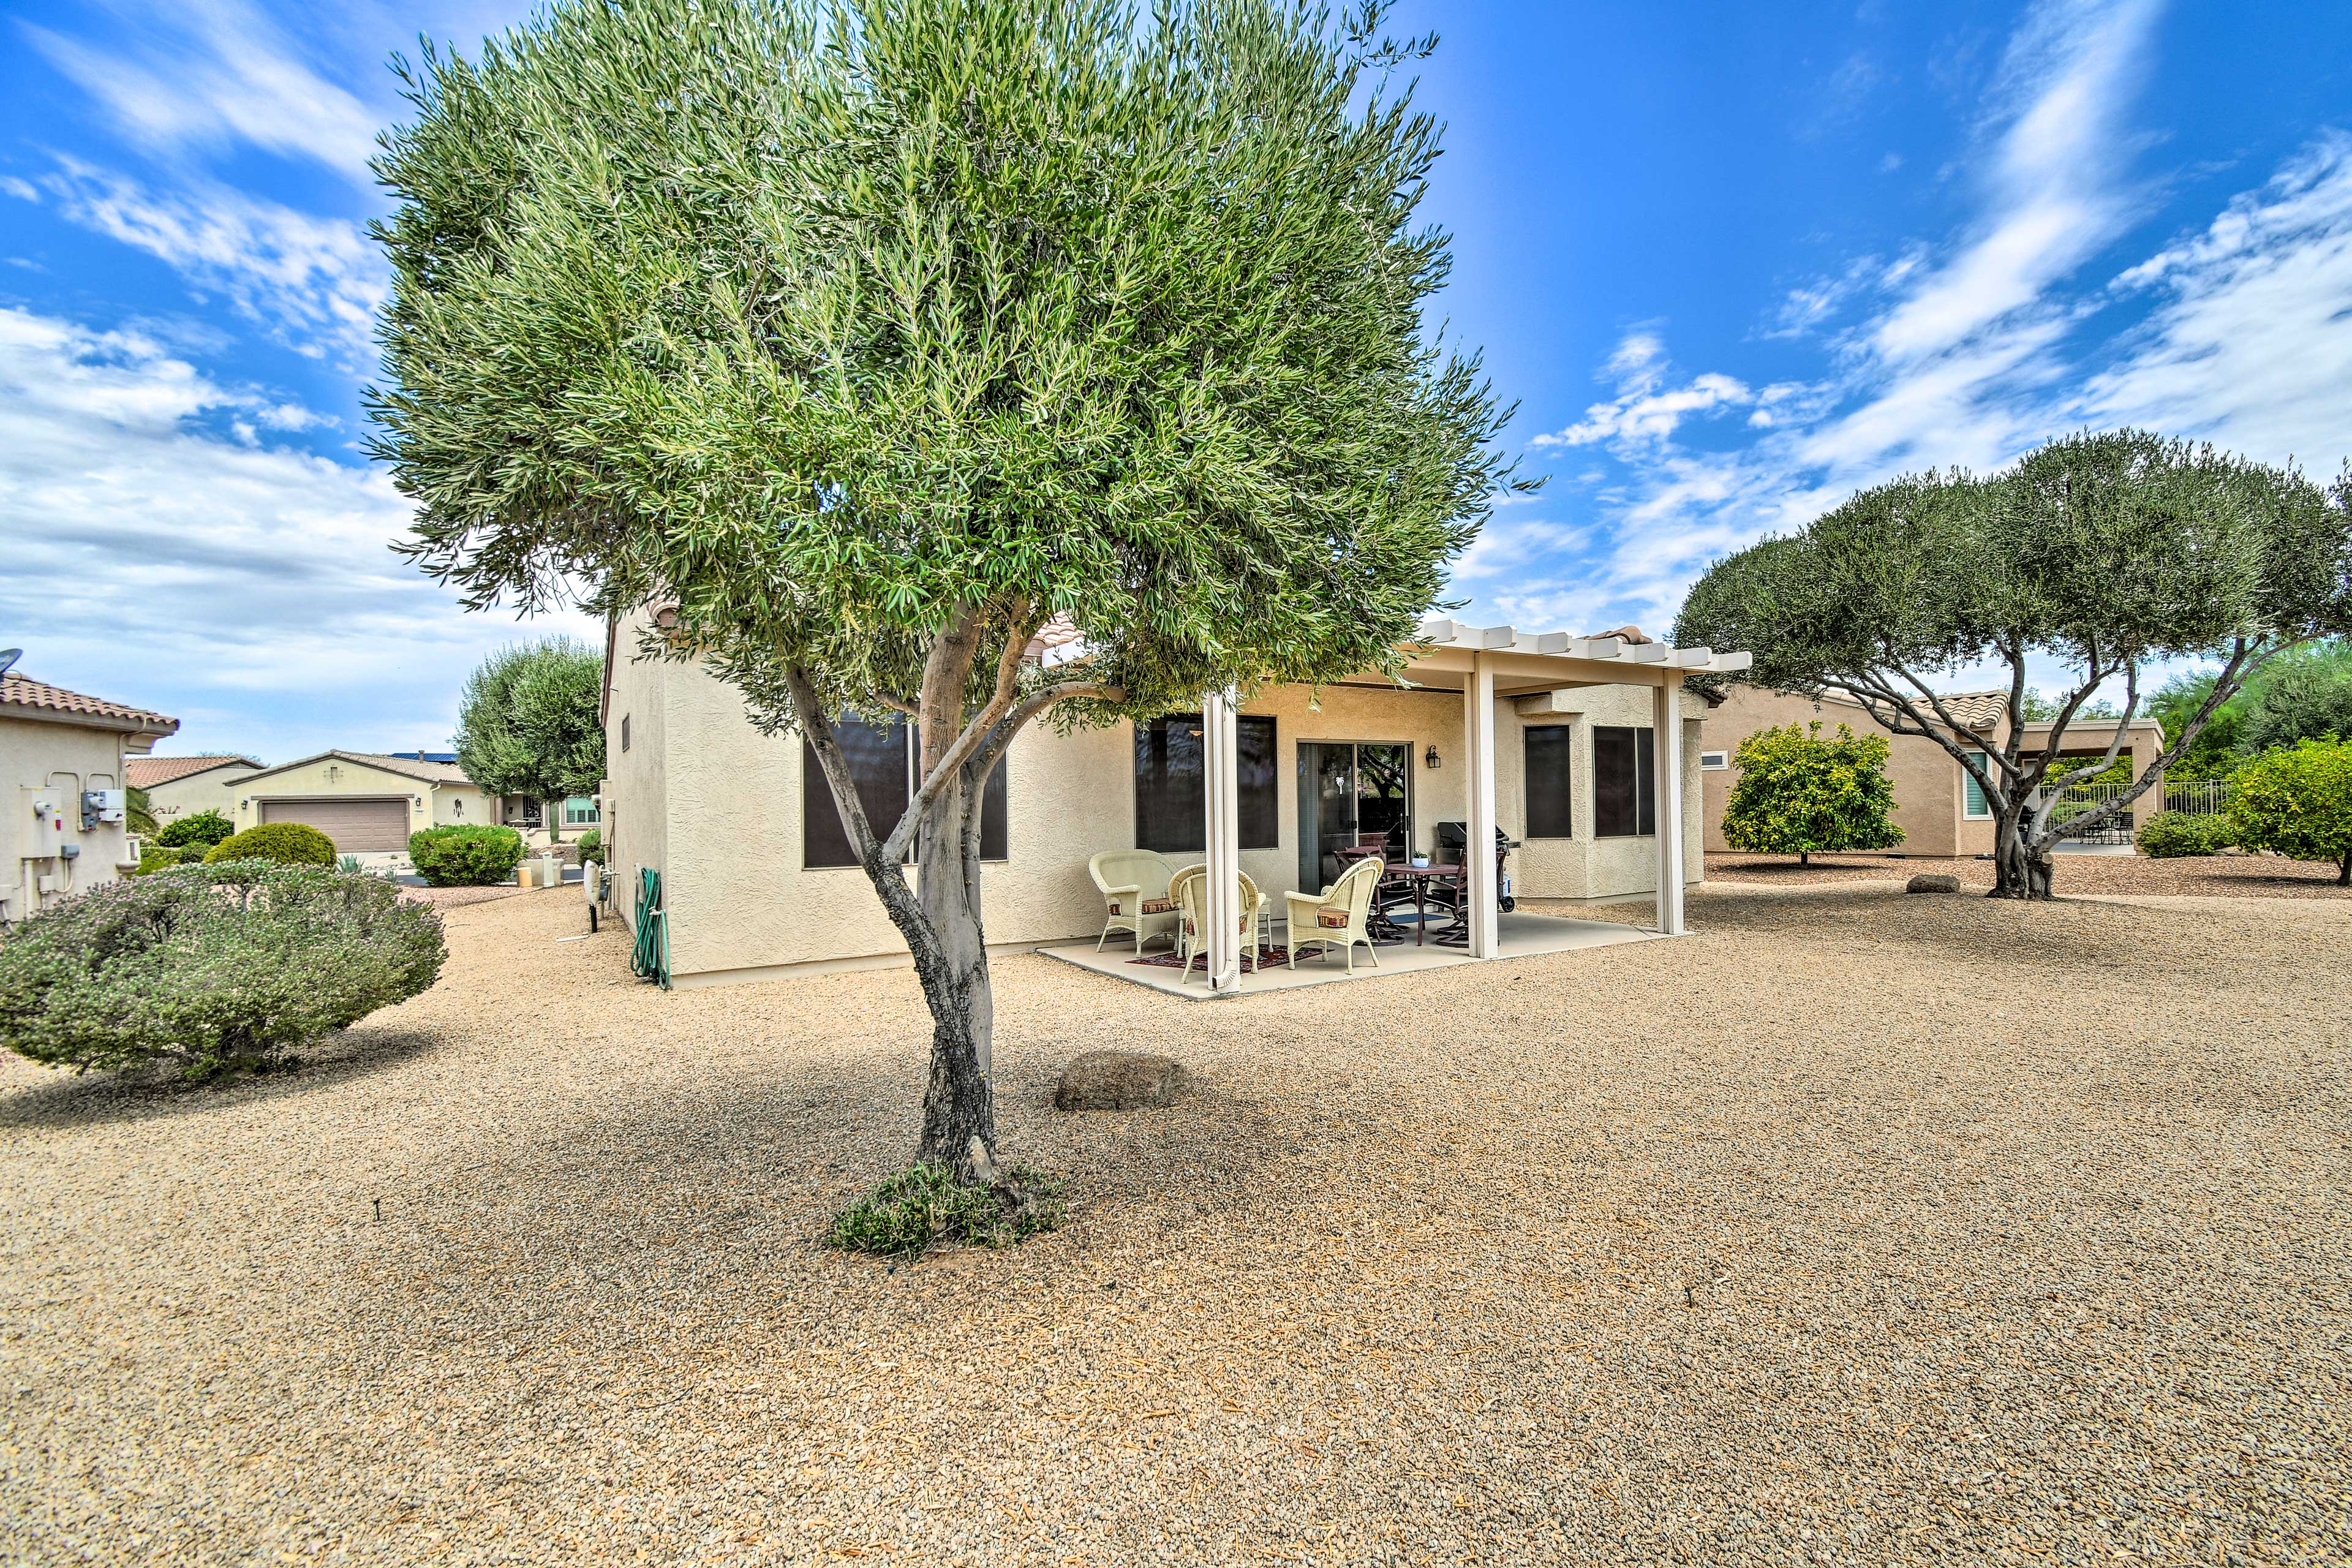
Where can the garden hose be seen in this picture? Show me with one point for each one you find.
(650, 958)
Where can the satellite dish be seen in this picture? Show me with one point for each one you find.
(8, 657)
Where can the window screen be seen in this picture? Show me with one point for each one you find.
(1625, 799)
(1551, 811)
(882, 760)
(1169, 810)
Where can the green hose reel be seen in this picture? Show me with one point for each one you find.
(650, 958)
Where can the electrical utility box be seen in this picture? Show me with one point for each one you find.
(102, 806)
(41, 822)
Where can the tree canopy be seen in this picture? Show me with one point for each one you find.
(862, 338)
(528, 724)
(2100, 551)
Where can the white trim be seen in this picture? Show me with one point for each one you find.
(1221, 840)
(1714, 762)
(1478, 891)
(1666, 767)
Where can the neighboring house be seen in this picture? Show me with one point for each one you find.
(61, 769)
(368, 803)
(1940, 809)
(539, 820)
(758, 880)
(182, 786)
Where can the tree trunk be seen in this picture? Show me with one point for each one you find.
(2020, 869)
(959, 1104)
(1804, 859)
(2343, 871)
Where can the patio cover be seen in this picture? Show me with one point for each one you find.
(1484, 664)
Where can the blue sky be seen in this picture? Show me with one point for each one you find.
(1731, 263)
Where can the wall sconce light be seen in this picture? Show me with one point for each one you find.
(1429, 758)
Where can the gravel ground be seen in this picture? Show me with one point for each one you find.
(457, 898)
(2191, 876)
(1858, 1228)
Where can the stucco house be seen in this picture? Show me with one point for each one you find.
(61, 770)
(1942, 810)
(367, 802)
(1552, 739)
(182, 786)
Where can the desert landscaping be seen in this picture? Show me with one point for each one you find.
(1856, 1226)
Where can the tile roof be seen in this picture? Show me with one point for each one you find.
(1972, 709)
(17, 691)
(146, 772)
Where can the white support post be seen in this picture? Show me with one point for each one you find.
(1219, 741)
(1667, 718)
(1479, 892)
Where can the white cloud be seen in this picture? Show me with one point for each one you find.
(149, 559)
(2251, 346)
(204, 75)
(315, 282)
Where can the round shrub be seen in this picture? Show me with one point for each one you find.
(592, 846)
(203, 829)
(465, 857)
(154, 858)
(214, 967)
(2170, 835)
(287, 843)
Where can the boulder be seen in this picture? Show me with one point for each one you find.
(1932, 883)
(1119, 1080)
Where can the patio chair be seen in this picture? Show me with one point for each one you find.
(1335, 915)
(1190, 890)
(1134, 884)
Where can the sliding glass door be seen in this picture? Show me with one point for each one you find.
(1348, 790)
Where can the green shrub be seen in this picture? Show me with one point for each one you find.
(215, 967)
(1800, 794)
(2297, 802)
(470, 857)
(2169, 835)
(154, 858)
(925, 1204)
(204, 829)
(287, 843)
(592, 846)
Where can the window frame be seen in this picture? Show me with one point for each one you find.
(1644, 744)
(996, 799)
(1721, 763)
(1260, 813)
(1566, 745)
(1982, 811)
(595, 813)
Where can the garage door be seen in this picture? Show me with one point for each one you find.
(357, 827)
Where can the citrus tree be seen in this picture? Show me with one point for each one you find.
(2297, 800)
(2100, 553)
(1801, 793)
(864, 338)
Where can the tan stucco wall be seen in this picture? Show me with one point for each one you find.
(713, 806)
(207, 791)
(430, 805)
(56, 762)
(1585, 866)
(1930, 798)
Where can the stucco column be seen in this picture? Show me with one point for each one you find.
(1666, 732)
(1220, 740)
(1479, 892)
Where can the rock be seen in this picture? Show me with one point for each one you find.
(1932, 883)
(1119, 1080)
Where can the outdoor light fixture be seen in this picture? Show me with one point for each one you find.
(1429, 758)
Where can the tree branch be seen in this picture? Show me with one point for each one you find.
(968, 735)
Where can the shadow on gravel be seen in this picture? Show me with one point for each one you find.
(97, 1099)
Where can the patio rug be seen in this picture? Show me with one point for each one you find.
(1265, 955)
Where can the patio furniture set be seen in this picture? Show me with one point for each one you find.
(1366, 904)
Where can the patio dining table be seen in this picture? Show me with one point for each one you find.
(1423, 878)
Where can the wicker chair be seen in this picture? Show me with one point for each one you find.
(1335, 915)
(1190, 890)
(1134, 884)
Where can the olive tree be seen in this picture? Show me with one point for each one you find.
(528, 724)
(2102, 552)
(864, 339)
